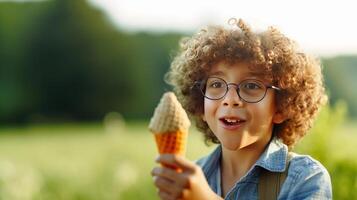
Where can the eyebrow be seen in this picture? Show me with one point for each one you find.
(258, 74)
(217, 73)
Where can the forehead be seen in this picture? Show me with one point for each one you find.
(239, 69)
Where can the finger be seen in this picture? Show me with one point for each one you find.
(165, 195)
(185, 194)
(167, 186)
(177, 161)
(176, 178)
(163, 184)
(164, 172)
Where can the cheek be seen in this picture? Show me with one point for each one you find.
(209, 111)
(209, 106)
(264, 110)
(262, 119)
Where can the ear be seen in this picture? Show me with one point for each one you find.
(278, 118)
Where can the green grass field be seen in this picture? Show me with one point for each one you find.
(89, 162)
(80, 162)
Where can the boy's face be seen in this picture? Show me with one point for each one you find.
(236, 123)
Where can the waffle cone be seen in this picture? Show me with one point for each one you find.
(169, 126)
(172, 142)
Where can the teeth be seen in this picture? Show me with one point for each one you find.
(232, 120)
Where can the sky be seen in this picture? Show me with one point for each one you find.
(325, 28)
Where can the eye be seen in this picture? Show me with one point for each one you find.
(252, 86)
(216, 84)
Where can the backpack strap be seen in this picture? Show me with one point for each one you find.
(270, 183)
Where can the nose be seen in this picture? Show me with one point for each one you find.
(232, 98)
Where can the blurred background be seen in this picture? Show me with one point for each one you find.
(79, 81)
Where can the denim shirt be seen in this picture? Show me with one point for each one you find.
(306, 179)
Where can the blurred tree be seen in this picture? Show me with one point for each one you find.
(64, 60)
(81, 66)
(76, 63)
(340, 73)
(15, 21)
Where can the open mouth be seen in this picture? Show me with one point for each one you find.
(231, 121)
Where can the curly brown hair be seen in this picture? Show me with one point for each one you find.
(296, 73)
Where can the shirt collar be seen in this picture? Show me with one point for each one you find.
(273, 158)
(212, 162)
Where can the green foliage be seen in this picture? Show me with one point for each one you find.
(344, 179)
(16, 20)
(63, 60)
(340, 73)
(331, 144)
(318, 140)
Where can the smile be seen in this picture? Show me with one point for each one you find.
(231, 122)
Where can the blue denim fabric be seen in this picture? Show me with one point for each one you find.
(307, 178)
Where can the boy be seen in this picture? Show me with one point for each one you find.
(255, 94)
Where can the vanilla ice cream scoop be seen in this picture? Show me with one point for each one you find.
(169, 115)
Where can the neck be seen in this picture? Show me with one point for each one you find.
(237, 163)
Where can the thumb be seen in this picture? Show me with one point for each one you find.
(177, 161)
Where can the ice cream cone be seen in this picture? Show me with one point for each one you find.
(172, 143)
(169, 125)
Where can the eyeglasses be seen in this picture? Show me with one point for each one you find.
(249, 90)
